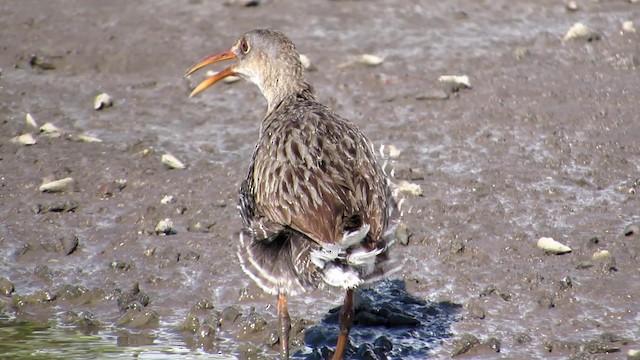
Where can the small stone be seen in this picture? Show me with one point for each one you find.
(69, 244)
(165, 227)
(24, 139)
(306, 62)
(206, 331)
(571, 5)
(475, 310)
(551, 246)
(403, 234)
(464, 344)
(6, 287)
(56, 185)
(172, 162)
(521, 52)
(600, 347)
(102, 101)
(580, 31)
(493, 344)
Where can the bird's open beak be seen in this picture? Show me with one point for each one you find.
(228, 71)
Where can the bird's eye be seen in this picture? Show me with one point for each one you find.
(244, 46)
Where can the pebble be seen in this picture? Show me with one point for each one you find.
(633, 354)
(165, 227)
(408, 188)
(102, 101)
(69, 244)
(56, 185)
(403, 234)
(306, 62)
(206, 330)
(172, 162)
(24, 139)
(521, 52)
(464, 344)
(167, 199)
(552, 246)
(580, 31)
(601, 255)
(475, 310)
(6, 287)
(571, 5)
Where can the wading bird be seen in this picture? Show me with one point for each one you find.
(315, 203)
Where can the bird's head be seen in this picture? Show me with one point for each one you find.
(264, 57)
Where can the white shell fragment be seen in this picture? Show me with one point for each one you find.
(406, 187)
(228, 80)
(172, 162)
(390, 151)
(102, 101)
(580, 31)
(87, 138)
(304, 59)
(56, 185)
(31, 122)
(50, 130)
(165, 226)
(601, 255)
(370, 60)
(456, 80)
(627, 26)
(24, 139)
(167, 199)
(552, 246)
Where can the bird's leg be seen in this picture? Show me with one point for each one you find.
(285, 325)
(346, 321)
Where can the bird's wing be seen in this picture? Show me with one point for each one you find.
(316, 173)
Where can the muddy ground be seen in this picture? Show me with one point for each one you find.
(545, 143)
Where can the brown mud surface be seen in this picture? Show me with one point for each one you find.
(546, 143)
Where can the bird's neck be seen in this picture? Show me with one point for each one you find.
(279, 89)
(284, 102)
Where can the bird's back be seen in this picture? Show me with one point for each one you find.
(314, 194)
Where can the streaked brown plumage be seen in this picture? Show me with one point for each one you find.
(315, 203)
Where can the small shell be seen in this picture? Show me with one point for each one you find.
(580, 31)
(456, 80)
(227, 80)
(102, 101)
(87, 138)
(390, 151)
(172, 162)
(167, 199)
(571, 5)
(370, 60)
(50, 130)
(31, 122)
(56, 185)
(165, 226)
(304, 59)
(552, 246)
(24, 139)
(601, 255)
(627, 26)
(406, 187)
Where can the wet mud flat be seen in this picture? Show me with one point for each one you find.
(544, 143)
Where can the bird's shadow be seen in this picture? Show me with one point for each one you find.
(389, 323)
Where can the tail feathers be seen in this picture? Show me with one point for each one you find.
(278, 264)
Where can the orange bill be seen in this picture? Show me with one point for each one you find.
(224, 55)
